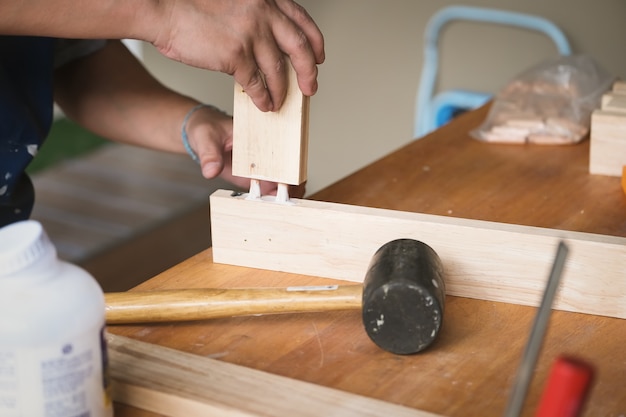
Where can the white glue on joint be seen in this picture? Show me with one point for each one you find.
(282, 193)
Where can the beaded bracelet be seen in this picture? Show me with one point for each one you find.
(188, 148)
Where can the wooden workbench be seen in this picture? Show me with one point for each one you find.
(470, 369)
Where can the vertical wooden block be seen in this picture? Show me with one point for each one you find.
(271, 146)
(607, 153)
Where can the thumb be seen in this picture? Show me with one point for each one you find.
(211, 157)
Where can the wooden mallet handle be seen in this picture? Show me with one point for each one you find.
(202, 304)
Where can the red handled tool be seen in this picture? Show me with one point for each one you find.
(567, 388)
(569, 379)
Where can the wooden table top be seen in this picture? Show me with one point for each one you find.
(469, 370)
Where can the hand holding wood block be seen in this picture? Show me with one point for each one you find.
(271, 146)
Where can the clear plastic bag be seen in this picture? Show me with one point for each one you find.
(550, 103)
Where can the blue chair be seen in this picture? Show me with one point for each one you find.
(432, 112)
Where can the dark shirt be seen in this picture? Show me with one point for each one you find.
(26, 110)
(26, 65)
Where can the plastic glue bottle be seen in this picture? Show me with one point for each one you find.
(53, 360)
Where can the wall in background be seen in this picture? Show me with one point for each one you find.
(364, 108)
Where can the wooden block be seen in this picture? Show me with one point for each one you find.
(271, 146)
(619, 87)
(614, 102)
(607, 153)
(178, 384)
(484, 260)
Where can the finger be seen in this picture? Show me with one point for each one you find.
(306, 76)
(273, 65)
(211, 159)
(293, 42)
(248, 75)
(241, 183)
(307, 25)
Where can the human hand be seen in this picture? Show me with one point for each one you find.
(248, 39)
(210, 136)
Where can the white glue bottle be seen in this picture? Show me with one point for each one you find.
(53, 357)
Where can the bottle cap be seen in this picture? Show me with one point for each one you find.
(22, 244)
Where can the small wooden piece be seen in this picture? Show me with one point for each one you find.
(619, 87)
(178, 384)
(607, 151)
(614, 102)
(271, 146)
(484, 260)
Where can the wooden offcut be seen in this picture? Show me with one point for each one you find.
(271, 146)
(484, 260)
(619, 87)
(607, 151)
(177, 384)
(614, 102)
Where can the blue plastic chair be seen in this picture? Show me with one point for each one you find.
(433, 112)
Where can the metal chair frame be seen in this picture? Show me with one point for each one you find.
(432, 112)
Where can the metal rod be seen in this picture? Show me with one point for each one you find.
(533, 346)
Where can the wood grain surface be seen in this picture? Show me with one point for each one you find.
(272, 146)
(181, 384)
(484, 260)
(469, 370)
(451, 174)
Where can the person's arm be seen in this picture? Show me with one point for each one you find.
(248, 39)
(110, 93)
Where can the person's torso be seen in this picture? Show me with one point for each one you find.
(26, 107)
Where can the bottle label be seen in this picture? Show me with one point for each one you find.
(67, 379)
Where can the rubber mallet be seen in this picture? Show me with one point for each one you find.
(402, 299)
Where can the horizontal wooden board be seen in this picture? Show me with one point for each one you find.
(179, 384)
(484, 260)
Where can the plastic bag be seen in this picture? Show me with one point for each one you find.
(550, 103)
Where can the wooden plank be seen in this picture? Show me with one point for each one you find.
(178, 384)
(271, 146)
(607, 153)
(484, 260)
